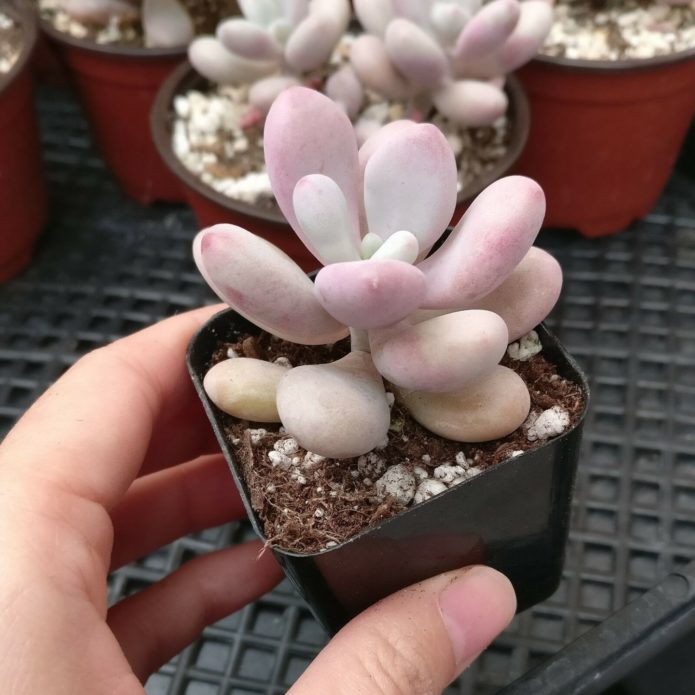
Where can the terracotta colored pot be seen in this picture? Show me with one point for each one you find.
(23, 207)
(605, 135)
(117, 86)
(211, 207)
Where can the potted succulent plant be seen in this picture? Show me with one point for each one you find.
(22, 192)
(408, 450)
(211, 136)
(119, 52)
(612, 95)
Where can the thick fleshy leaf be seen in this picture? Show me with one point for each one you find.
(410, 183)
(336, 410)
(420, 356)
(372, 144)
(248, 40)
(400, 246)
(294, 11)
(166, 24)
(264, 285)
(417, 11)
(345, 89)
(488, 243)
(314, 39)
(325, 220)
(370, 294)
(487, 30)
(307, 133)
(528, 295)
(374, 15)
(471, 103)
(263, 93)
(448, 20)
(415, 53)
(213, 61)
(99, 11)
(261, 12)
(374, 68)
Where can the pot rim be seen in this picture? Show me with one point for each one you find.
(547, 336)
(184, 76)
(614, 66)
(108, 49)
(27, 21)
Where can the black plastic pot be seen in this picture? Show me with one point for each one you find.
(514, 517)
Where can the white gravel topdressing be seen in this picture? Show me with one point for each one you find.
(8, 54)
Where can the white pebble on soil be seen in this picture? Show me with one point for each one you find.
(371, 465)
(447, 473)
(279, 460)
(549, 423)
(282, 362)
(428, 489)
(257, 435)
(287, 446)
(525, 348)
(399, 483)
(420, 473)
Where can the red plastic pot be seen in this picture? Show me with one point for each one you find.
(211, 207)
(117, 86)
(605, 135)
(23, 207)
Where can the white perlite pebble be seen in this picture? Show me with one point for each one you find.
(257, 435)
(549, 423)
(287, 446)
(283, 362)
(448, 473)
(398, 482)
(298, 477)
(390, 399)
(516, 453)
(231, 354)
(420, 473)
(279, 460)
(311, 460)
(426, 458)
(461, 460)
(331, 544)
(428, 489)
(370, 465)
(525, 348)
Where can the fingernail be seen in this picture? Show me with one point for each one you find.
(475, 608)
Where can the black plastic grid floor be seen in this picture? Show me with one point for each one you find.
(107, 267)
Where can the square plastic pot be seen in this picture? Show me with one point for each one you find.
(514, 517)
(23, 204)
(605, 136)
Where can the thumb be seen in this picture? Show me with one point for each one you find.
(416, 641)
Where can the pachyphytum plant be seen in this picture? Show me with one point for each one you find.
(434, 326)
(165, 23)
(450, 54)
(275, 45)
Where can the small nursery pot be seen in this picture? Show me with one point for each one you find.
(117, 86)
(23, 205)
(605, 135)
(514, 517)
(211, 207)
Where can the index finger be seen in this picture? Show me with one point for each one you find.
(90, 432)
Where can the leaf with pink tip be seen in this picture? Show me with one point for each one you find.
(373, 66)
(448, 20)
(420, 357)
(415, 53)
(323, 215)
(307, 133)
(370, 294)
(375, 141)
(264, 285)
(166, 24)
(263, 93)
(488, 243)
(400, 246)
(410, 183)
(248, 40)
(374, 15)
(213, 61)
(471, 103)
(487, 30)
(345, 89)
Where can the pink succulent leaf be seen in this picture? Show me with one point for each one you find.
(336, 410)
(213, 61)
(400, 246)
(528, 295)
(488, 243)
(487, 30)
(370, 294)
(374, 68)
(316, 36)
(98, 11)
(248, 40)
(419, 356)
(325, 220)
(371, 243)
(263, 93)
(373, 143)
(417, 11)
(448, 20)
(471, 103)
(374, 15)
(410, 184)
(294, 11)
(345, 89)
(307, 133)
(415, 53)
(280, 299)
(166, 24)
(261, 12)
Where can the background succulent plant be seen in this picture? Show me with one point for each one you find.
(435, 326)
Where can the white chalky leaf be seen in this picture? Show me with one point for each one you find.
(399, 483)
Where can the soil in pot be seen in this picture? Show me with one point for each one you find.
(307, 503)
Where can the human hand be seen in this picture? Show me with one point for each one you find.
(114, 461)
